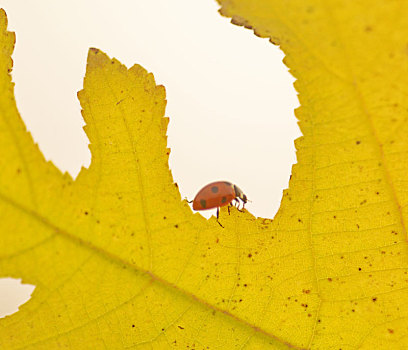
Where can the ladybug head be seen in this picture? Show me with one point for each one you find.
(244, 198)
(240, 194)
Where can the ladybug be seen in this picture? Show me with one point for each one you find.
(218, 194)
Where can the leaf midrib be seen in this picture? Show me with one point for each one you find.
(114, 258)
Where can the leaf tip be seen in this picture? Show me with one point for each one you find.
(3, 18)
(10, 37)
(96, 57)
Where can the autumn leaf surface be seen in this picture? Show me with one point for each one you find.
(120, 261)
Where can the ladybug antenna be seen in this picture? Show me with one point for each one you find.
(186, 199)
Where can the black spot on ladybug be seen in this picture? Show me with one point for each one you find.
(214, 189)
(374, 300)
(203, 203)
(176, 226)
(86, 213)
(133, 325)
(224, 199)
(358, 142)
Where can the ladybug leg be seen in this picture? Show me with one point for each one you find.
(218, 214)
(243, 205)
(229, 205)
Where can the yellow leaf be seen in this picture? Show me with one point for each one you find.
(350, 59)
(120, 261)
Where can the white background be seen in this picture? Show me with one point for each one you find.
(230, 98)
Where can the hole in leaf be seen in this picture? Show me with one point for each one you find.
(13, 294)
(230, 98)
